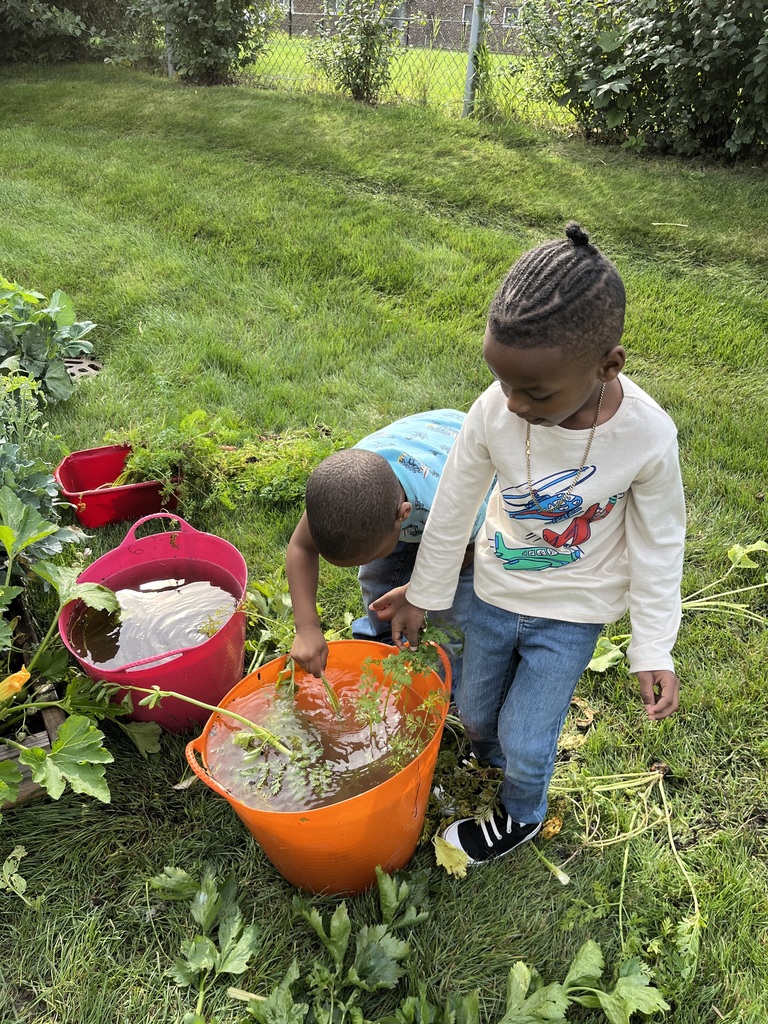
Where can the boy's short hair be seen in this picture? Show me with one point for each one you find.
(352, 500)
(564, 294)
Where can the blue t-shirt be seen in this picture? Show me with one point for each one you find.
(416, 448)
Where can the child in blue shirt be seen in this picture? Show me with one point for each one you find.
(367, 506)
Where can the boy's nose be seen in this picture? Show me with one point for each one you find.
(518, 405)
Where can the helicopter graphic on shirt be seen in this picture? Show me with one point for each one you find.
(553, 507)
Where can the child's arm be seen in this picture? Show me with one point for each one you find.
(655, 526)
(302, 566)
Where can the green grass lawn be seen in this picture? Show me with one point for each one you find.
(283, 261)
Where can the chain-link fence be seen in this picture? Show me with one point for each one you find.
(430, 66)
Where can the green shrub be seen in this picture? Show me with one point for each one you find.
(690, 77)
(355, 48)
(75, 30)
(211, 40)
(34, 31)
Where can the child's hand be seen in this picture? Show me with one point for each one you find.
(406, 624)
(388, 604)
(660, 693)
(310, 651)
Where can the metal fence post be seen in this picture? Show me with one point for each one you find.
(476, 32)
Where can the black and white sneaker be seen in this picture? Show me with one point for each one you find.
(487, 840)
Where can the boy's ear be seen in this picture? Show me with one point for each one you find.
(403, 512)
(612, 363)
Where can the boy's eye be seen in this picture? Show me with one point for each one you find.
(538, 398)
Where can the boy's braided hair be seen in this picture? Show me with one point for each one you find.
(352, 500)
(563, 294)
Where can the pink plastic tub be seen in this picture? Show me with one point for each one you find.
(205, 672)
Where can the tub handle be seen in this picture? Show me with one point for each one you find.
(193, 748)
(184, 526)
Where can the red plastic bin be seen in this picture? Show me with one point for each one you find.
(84, 478)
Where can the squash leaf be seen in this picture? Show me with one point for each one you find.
(77, 756)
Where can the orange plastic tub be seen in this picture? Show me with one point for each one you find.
(336, 849)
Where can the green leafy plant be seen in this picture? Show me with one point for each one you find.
(367, 960)
(356, 47)
(77, 755)
(271, 629)
(373, 958)
(26, 445)
(614, 810)
(529, 999)
(207, 463)
(393, 676)
(12, 881)
(289, 757)
(224, 944)
(36, 337)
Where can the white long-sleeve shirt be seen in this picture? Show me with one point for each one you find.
(616, 543)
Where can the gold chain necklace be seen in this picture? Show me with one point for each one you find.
(562, 501)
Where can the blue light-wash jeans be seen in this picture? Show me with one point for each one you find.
(384, 574)
(520, 673)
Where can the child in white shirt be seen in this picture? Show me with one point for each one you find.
(586, 521)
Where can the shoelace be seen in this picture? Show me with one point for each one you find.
(483, 825)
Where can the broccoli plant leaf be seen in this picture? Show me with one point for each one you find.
(77, 756)
(57, 381)
(61, 308)
(377, 954)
